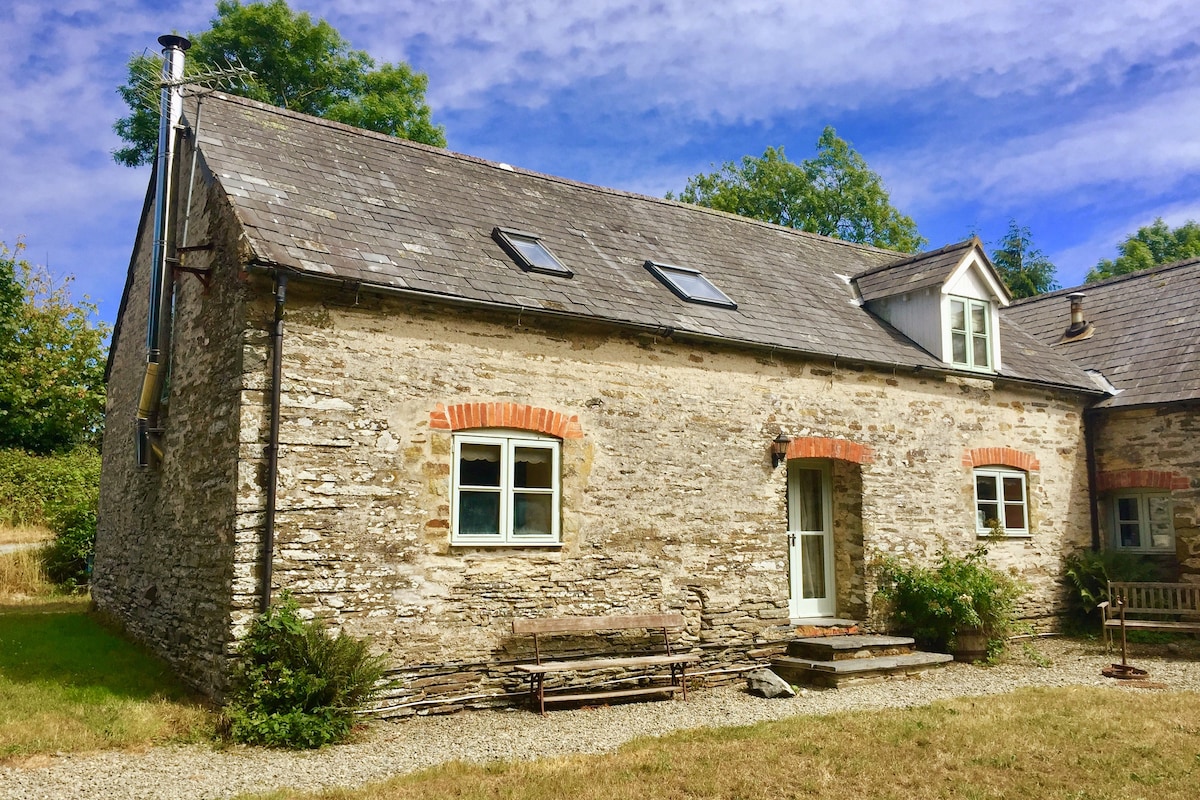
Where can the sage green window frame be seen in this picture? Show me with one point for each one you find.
(1144, 516)
(971, 342)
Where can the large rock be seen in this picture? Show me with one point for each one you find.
(764, 683)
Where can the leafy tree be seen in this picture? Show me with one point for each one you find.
(834, 193)
(297, 64)
(1152, 245)
(51, 361)
(1024, 268)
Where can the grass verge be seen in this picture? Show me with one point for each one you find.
(22, 534)
(1078, 743)
(68, 684)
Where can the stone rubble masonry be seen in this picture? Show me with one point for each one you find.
(669, 498)
(1155, 448)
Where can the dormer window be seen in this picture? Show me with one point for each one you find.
(970, 333)
(530, 252)
(690, 284)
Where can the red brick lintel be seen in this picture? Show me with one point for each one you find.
(1141, 479)
(1000, 456)
(521, 416)
(820, 447)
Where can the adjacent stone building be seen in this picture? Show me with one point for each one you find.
(1141, 333)
(427, 393)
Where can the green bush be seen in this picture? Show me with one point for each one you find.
(34, 488)
(296, 685)
(931, 604)
(68, 559)
(1087, 575)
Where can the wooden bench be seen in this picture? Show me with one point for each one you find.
(1171, 607)
(558, 626)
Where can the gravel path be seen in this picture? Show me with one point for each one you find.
(391, 748)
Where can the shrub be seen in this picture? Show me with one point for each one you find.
(932, 604)
(68, 559)
(296, 685)
(34, 488)
(1088, 573)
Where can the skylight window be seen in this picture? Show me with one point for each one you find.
(690, 284)
(530, 253)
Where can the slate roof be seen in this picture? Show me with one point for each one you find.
(1146, 338)
(915, 272)
(325, 199)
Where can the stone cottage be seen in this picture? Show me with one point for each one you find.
(1141, 333)
(428, 393)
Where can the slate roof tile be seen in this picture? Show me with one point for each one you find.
(431, 213)
(1146, 332)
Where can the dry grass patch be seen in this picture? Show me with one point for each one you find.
(1078, 743)
(23, 534)
(23, 577)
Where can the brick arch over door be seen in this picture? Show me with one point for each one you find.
(464, 416)
(1001, 456)
(821, 447)
(1141, 479)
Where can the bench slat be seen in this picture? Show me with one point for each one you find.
(605, 694)
(609, 663)
(1153, 624)
(527, 625)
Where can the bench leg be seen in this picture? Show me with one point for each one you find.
(679, 677)
(537, 692)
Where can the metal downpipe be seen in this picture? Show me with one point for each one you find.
(1089, 442)
(268, 554)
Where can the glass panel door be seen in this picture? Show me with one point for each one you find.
(810, 540)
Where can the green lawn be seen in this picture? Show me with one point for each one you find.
(67, 683)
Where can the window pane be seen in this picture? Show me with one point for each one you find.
(479, 513)
(1127, 509)
(986, 513)
(979, 319)
(985, 487)
(536, 254)
(812, 563)
(958, 315)
(1131, 535)
(808, 499)
(1014, 490)
(1162, 527)
(531, 514)
(981, 351)
(958, 347)
(1014, 517)
(533, 468)
(479, 465)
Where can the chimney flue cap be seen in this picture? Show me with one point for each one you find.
(169, 40)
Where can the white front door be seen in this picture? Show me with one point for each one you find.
(810, 539)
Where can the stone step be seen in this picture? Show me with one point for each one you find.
(852, 646)
(839, 673)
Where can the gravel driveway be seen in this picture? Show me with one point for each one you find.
(391, 748)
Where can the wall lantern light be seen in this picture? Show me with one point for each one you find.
(779, 448)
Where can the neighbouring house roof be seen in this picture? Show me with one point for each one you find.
(323, 199)
(1145, 332)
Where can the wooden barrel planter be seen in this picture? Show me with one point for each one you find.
(970, 644)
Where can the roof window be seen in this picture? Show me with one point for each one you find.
(530, 253)
(690, 284)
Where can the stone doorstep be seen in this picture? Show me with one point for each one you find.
(840, 673)
(855, 646)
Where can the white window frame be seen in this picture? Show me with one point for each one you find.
(1142, 498)
(970, 334)
(507, 441)
(998, 475)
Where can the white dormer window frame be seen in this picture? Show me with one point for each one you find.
(971, 333)
(970, 312)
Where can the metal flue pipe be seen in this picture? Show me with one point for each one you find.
(170, 112)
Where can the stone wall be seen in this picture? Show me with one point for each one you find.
(1155, 448)
(164, 542)
(669, 498)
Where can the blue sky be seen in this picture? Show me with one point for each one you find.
(1079, 120)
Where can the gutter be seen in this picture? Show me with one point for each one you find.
(1091, 418)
